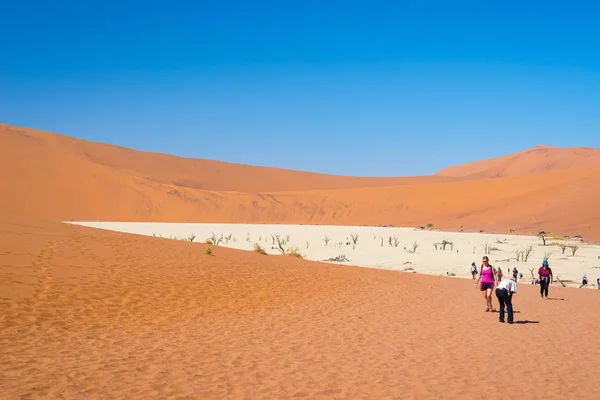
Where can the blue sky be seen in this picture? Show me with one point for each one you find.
(354, 88)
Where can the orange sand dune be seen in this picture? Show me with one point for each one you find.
(156, 168)
(54, 177)
(537, 159)
(92, 314)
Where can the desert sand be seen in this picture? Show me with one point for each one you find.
(89, 313)
(95, 314)
(390, 247)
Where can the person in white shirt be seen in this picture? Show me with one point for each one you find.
(504, 292)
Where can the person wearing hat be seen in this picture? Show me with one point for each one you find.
(473, 269)
(546, 278)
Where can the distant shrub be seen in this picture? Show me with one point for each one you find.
(294, 252)
(259, 249)
(208, 251)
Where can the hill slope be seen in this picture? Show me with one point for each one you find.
(54, 177)
(167, 169)
(534, 160)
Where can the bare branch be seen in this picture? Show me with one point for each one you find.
(354, 237)
(574, 249)
(528, 252)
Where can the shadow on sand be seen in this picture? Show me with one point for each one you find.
(526, 321)
(554, 298)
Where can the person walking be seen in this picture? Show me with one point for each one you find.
(488, 277)
(515, 273)
(583, 281)
(504, 293)
(473, 269)
(545, 277)
(598, 282)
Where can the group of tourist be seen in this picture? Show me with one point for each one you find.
(488, 277)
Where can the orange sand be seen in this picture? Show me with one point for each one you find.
(95, 314)
(91, 314)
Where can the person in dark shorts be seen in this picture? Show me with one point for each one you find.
(545, 277)
(487, 276)
(473, 269)
(584, 281)
(504, 293)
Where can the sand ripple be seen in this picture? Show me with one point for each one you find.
(96, 314)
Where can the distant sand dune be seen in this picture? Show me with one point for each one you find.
(531, 161)
(58, 178)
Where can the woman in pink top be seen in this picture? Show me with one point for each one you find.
(487, 276)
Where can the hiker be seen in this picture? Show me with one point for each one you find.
(546, 278)
(487, 276)
(515, 273)
(504, 293)
(500, 274)
(583, 281)
(598, 283)
(473, 269)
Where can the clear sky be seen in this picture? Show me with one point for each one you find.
(345, 87)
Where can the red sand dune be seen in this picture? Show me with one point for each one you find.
(534, 160)
(88, 313)
(54, 177)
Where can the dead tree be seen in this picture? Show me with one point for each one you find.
(574, 249)
(354, 237)
(446, 243)
(192, 237)
(340, 258)
(547, 256)
(216, 240)
(563, 247)
(415, 246)
(395, 241)
(280, 243)
(519, 254)
(542, 235)
(486, 248)
(528, 252)
(532, 275)
(326, 239)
